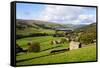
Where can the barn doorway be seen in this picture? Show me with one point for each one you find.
(80, 45)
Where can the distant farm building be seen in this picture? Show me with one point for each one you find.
(74, 45)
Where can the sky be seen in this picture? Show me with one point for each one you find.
(56, 13)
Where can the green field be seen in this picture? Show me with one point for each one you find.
(43, 40)
(28, 31)
(44, 57)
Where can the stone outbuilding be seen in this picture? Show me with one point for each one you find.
(74, 45)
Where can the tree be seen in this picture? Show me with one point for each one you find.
(18, 49)
(87, 38)
(35, 47)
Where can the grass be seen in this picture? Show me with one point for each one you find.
(45, 46)
(44, 42)
(28, 31)
(79, 55)
(87, 53)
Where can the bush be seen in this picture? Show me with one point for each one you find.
(18, 49)
(35, 47)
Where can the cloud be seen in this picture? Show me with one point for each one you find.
(87, 18)
(66, 14)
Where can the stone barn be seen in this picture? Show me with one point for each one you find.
(74, 45)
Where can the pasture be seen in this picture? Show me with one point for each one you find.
(45, 57)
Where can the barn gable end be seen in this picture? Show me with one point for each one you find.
(74, 45)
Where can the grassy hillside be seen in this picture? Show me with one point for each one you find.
(27, 27)
(87, 28)
(44, 41)
(86, 34)
(79, 55)
(44, 33)
(37, 24)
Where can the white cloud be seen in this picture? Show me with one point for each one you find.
(87, 18)
(66, 14)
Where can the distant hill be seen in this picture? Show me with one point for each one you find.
(38, 23)
(87, 28)
(45, 24)
(27, 27)
(87, 34)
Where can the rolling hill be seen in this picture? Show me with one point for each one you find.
(30, 27)
(26, 27)
(87, 28)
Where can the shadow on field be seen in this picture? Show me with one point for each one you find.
(50, 48)
(45, 49)
(32, 58)
(37, 57)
